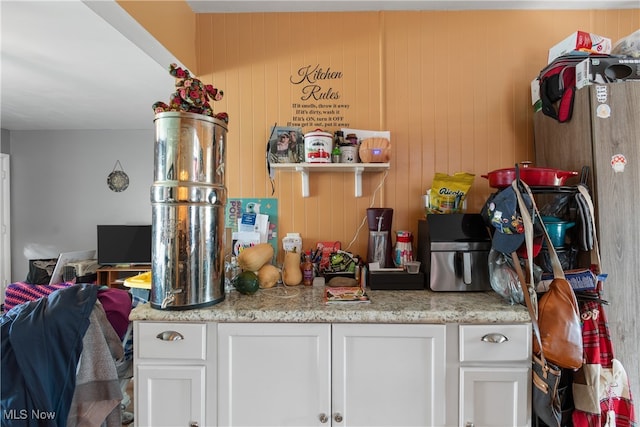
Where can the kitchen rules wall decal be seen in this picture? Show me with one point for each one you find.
(320, 102)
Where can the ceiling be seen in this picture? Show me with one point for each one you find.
(215, 6)
(73, 65)
(64, 67)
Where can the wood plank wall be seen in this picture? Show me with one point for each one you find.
(452, 87)
(157, 17)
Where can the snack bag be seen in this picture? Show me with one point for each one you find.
(448, 193)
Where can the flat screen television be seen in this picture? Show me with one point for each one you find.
(124, 244)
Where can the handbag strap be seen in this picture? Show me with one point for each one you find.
(528, 288)
(558, 272)
(529, 304)
(527, 285)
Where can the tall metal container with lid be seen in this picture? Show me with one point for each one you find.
(188, 200)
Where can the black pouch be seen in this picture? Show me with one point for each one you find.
(40, 271)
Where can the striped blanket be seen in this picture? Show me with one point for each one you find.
(20, 292)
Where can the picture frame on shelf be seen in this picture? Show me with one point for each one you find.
(286, 145)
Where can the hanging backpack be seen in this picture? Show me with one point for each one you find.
(558, 87)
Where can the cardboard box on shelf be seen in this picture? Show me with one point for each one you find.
(606, 69)
(580, 41)
(579, 279)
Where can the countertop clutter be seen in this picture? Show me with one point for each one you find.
(304, 304)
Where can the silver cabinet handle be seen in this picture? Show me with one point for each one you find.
(495, 338)
(466, 268)
(468, 424)
(337, 417)
(170, 336)
(323, 418)
(193, 424)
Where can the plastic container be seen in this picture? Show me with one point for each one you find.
(349, 154)
(413, 267)
(292, 241)
(404, 248)
(307, 270)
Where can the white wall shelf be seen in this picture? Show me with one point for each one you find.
(306, 168)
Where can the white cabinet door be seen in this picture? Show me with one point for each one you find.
(388, 375)
(494, 396)
(274, 374)
(174, 368)
(495, 375)
(171, 396)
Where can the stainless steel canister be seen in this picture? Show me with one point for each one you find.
(188, 199)
(189, 148)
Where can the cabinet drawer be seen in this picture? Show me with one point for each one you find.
(495, 343)
(170, 340)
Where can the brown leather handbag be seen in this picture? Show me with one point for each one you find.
(560, 329)
(557, 311)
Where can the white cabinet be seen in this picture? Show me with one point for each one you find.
(273, 374)
(340, 375)
(494, 396)
(173, 395)
(495, 378)
(388, 375)
(174, 375)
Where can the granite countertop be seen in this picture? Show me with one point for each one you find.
(302, 304)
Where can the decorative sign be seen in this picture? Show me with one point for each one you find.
(118, 180)
(618, 162)
(320, 104)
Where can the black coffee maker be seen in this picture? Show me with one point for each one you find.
(380, 249)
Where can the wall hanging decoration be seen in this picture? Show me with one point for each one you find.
(118, 180)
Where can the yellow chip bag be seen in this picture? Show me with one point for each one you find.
(448, 192)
